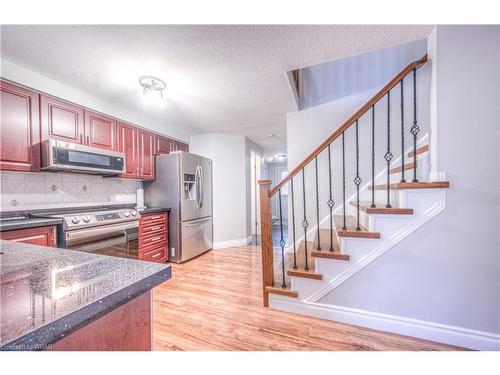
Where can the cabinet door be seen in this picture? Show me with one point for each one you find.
(146, 156)
(100, 131)
(179, 146)
(19, 129)
(163, 145)
(61, 120)
(43, 236)
(128, 144)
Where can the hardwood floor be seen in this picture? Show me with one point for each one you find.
(214, 302)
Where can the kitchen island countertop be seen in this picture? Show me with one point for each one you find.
(48, 293)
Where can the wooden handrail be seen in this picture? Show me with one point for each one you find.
(351, 120)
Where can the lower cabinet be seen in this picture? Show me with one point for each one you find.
(43, 236)
(153, 237)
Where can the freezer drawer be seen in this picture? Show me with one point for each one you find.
(197, 237)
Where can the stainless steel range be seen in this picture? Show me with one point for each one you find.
(106, 231)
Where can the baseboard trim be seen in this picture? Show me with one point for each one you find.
(443, 333)
(232, 243)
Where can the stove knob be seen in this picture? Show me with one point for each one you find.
(134, 213)
(75, 220)
(126, 214)
(86, 219)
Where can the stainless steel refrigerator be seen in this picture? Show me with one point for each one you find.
(184, 183)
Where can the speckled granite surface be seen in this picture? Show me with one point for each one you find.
(47, 293)
(27, 223)
(152, 210)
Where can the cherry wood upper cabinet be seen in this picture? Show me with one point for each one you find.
(19, 129)
(179, 146)
(61, 120)
(100, 131)
(146, 155)
(128, 144)
(163, 145)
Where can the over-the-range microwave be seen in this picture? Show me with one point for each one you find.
(72, 157)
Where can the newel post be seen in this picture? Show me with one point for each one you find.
(267, 239)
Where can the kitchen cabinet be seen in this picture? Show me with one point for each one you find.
(100, 131)
(146, 156)
(61, 120)
(19, 127)
(153, 237)
(128, 144)
(179, 146)
(138, 147)
(43, 236)
(163, 145)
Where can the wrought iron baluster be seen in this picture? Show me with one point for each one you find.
(357, 179)
(415, 128)
(318, 247)
(388, 155)
(373, 156)
(282, 244)
(293, 227)
(330, 202)
(402, 134)
(305, 223)
(343, 180)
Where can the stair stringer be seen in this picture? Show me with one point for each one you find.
(393, 228)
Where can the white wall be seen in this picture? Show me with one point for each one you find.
(448, 271)
(229, 185)
(36, 81)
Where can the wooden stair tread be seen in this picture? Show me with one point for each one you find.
(413, 185)
(398, 169)
(350, 230)
(420, 150)
(281, 291)
(381, 209)
(330, 255)
(305, 274)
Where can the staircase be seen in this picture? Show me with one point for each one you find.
(358, 229)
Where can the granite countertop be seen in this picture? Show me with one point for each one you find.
(47, 293)
(152, 210)
(28, 222)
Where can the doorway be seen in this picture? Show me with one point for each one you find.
(255, 162)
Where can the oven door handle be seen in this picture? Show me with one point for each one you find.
(89, 232)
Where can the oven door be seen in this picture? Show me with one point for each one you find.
(113, 239)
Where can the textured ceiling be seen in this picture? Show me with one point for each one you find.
(219, 78)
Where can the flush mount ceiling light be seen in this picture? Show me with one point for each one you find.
(269, 158)
(152, 89)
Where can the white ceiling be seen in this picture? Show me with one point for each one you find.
(219, 78)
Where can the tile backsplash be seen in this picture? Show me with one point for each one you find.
(28, 190)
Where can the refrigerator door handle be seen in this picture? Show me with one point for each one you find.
(198, 182)
(202, 187)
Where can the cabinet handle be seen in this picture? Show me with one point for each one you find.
(154, 239)
(155, 217)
